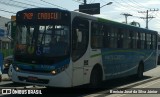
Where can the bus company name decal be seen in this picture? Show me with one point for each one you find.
(21, 91)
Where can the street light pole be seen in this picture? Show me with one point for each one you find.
(109, 3)
(85, 2)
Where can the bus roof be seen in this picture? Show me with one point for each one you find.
(121, 25)
(118, 24)
(39, 9)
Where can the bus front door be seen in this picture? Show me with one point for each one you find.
(80, 53)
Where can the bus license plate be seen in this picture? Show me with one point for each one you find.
(30, 78)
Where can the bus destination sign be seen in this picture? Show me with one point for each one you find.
(42, 16)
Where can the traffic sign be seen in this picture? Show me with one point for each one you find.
(90, 8)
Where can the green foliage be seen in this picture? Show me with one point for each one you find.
(7, 52)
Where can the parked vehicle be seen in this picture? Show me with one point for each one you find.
(7, 62)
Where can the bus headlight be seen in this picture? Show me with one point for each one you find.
(16, 68)
(6, 65)
(58, 70)
(53, 72)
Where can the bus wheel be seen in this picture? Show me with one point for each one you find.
(140, 70)
(96, 77)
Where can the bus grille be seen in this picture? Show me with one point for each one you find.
(40, 81)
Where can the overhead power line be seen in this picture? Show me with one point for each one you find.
(12, 4)
(78, 1)
(24, 3)
(138, 4)
(37, 3)
(7, 11)
(53, 4)
(125, 5)
(17, 4)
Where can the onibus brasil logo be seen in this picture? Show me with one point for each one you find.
(21, 91)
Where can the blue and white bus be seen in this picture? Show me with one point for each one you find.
(61, 48)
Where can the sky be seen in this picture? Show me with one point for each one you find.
(137, 8)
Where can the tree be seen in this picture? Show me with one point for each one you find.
(135, 24)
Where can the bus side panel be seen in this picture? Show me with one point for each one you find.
(120, 62)
(96, 58)
(150, 60)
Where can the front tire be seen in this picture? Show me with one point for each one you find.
(140, 71)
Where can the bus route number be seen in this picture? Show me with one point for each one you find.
(28, 16)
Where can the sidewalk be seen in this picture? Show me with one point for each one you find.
(153, 72)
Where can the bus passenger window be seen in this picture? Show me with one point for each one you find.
(139, 41)
(98, 37)
(154, 41)
(120, 39)
(126, 39)
(148, 41)
(142, 35)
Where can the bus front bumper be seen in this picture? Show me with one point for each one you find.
(60, 80)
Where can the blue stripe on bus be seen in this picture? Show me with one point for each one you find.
(43, 67)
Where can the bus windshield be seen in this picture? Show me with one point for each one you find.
(42, 41)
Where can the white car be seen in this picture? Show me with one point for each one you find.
(6, 64)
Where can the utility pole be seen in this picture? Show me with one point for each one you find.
(126, 15)
(85, 2)
(147, 16)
